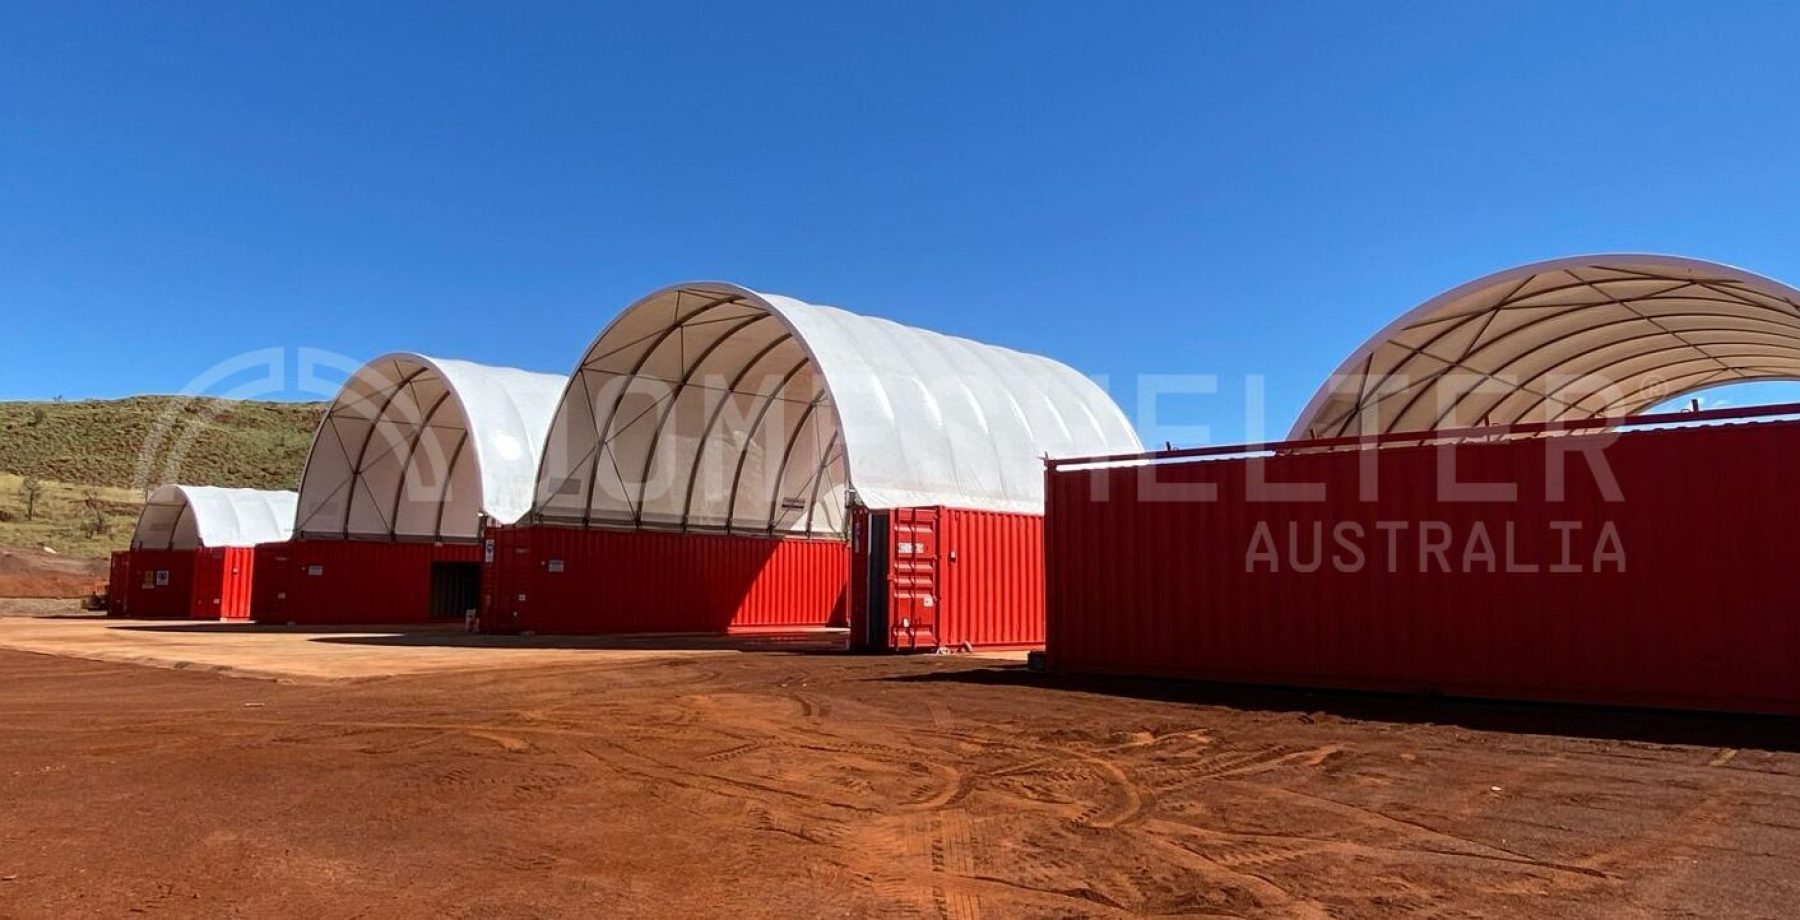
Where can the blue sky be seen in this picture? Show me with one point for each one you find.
(1152, 188)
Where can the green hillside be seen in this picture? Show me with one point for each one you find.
(88, 455)
(99, 442)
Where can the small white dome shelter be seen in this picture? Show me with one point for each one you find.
(1576, 338)
(707, 406)
(202, 517)
(420, 449)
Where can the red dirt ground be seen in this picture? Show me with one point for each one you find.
(791, 785)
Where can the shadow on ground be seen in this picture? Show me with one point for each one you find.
(1650, 726)
(453, 636)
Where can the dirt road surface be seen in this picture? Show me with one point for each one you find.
(810, 785)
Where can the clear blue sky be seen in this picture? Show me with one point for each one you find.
(1145, 188)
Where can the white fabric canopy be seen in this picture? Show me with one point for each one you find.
(708, 406)
(419, 448)
(195, 517)
(1575, 338)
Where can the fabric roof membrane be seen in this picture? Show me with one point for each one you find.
(711, 407)
(419, 448)
(1574, 338)
(197, 517)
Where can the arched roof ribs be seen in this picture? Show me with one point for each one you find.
(421, 448)
(1568, 334)
(708, 406)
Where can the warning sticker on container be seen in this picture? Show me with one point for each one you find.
(162, 578)
(487, 552)
(927, 601)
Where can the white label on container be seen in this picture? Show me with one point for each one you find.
(162, 578)
(926, 601)
(315, 570)
(554, 565)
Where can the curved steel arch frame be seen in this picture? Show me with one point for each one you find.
(415, 448)
(1571, 338)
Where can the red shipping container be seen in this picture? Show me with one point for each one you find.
(118, 579)
(565, 580)
(199, 584)
(927, 578)
(1657, 576)
(352, 582)
(160, 584)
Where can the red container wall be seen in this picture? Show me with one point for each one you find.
(161, 583)
(349, 582)
(1679, 594)
(270, 578)
(951, 578)
(223, 579)
(118, 579)
(992, 579)
(563, 580)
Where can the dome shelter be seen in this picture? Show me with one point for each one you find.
(711, 407)
(749, 424)
(1576, 338)
(415, 448)
(415, 457)
(193, 517)
(192, 552)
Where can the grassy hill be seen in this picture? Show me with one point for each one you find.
(88, 455)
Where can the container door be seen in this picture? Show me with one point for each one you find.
(273, 580)
(207, 595)
(912, 608)
(506, 577)
(869, 579)
(118, 584)
(240, 580)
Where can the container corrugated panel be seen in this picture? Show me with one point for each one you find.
(352, 582)
(571, 581)
(118, 578)
(993, 579)
(161, 583)
(1680, 593)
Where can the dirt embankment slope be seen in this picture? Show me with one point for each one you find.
(36, 574)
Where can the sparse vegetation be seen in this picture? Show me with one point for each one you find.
(66, 516)
(30, 491)
(68, 469)
(260, 445)
(96, 513)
